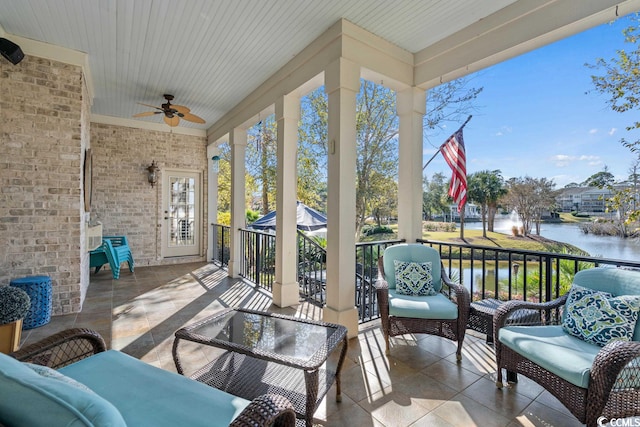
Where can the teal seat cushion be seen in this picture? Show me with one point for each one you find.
(411, 253)
(147, 396)
(552, 348)
(421, 307)
(41, 398)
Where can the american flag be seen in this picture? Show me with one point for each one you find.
(454, 154)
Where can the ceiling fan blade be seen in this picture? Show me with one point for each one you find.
(192, 118)
(172, 121)
(147, 114)
(150, 106)
(180, 108)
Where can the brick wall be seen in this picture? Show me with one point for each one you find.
(123, 199)
(40, 175)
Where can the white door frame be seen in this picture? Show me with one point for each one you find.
(171, 248)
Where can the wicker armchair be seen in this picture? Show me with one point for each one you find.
(613, 385)
(401, 314)
(67, 347)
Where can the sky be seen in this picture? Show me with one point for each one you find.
(535, 118)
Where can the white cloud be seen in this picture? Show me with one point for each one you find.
(563, 160)
(592, 131)
(503, 130)
(612, 131)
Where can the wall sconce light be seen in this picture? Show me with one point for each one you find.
(153, 173)
(215, 165)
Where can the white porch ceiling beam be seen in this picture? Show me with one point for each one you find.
(341, 40)
(516, 29)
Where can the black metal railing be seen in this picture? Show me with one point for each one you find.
(488, 272)
(367, 254)
(312, 269)
(258, 263)
(505, 274)
(221, 244)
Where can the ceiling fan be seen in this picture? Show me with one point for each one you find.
(172, 113)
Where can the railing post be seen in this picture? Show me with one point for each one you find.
(548, 278)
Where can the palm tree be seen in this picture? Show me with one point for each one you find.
(485, 188)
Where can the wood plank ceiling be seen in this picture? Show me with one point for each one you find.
(211, 53)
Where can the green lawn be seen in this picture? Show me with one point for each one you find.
(498, 240)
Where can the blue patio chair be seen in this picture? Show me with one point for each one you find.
(415, 295)
(586, 349)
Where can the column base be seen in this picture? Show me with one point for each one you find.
(347, 318)
(285, 295)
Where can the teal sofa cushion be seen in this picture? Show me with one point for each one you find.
(28, 398)
(147, 396)
(553, 349)
(429, 307)
(615, 281)
(411, 253)
(599, 317)
(414, 278)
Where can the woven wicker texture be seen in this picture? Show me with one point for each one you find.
(613, 385)
(454, 330)
(481, 317)
(248, 373)
(62, 349)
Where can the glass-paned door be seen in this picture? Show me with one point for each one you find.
(182, 214)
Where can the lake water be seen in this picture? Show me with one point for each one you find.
(605, 246)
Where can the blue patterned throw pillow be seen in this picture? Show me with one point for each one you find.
(414, 278)
(599, 317)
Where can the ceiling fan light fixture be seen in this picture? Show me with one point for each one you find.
(172, 113)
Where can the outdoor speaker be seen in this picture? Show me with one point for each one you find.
(11, 51)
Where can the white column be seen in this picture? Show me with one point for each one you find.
(238, 142)
(285, 288)
(342, 83)
(212, 198)
(410, 104)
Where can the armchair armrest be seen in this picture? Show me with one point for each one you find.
(267, 410)
(62, 349)
(608, 377)
(505, 310)
(461, 294)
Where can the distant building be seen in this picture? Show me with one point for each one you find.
(585, 199)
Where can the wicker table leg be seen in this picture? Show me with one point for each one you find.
(311, 380)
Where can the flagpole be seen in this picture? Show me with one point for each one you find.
(438, 150)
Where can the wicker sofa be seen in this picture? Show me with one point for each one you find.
(590, 380)
(92, 386)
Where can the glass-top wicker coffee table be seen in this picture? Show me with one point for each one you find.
(269, 353)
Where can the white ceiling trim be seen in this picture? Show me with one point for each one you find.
(158, 127)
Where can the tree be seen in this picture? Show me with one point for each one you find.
(486, 188)
(261, 161)
(530, 197)
(572, 185)
(620, 76)
(600, 179)
(435, 200)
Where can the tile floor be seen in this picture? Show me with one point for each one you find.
(420, 384)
